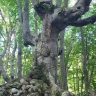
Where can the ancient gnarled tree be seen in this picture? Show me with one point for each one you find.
(54, 20)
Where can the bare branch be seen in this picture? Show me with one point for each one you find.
(84, 3)
(2, 35)
(80, 8)
(2, 16)
(62, 16)
(80, 23)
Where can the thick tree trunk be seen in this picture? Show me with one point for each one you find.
(48, 50)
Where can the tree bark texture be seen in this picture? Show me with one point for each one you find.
(48, 51)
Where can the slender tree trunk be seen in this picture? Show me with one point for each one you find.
(74, 80)
(3, 72)
(62, 58)
(58, 3)
(19, 61)
(63, 64)
(77, 80)
(2, 69)
(12, 60)
(84, 63)
(82, 85)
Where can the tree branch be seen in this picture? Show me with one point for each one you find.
(80, 23)
(80, 8)
(2, 16)
(84, 3)
(28, 37)
(61, 16)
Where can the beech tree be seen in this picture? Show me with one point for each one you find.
(42, 81)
